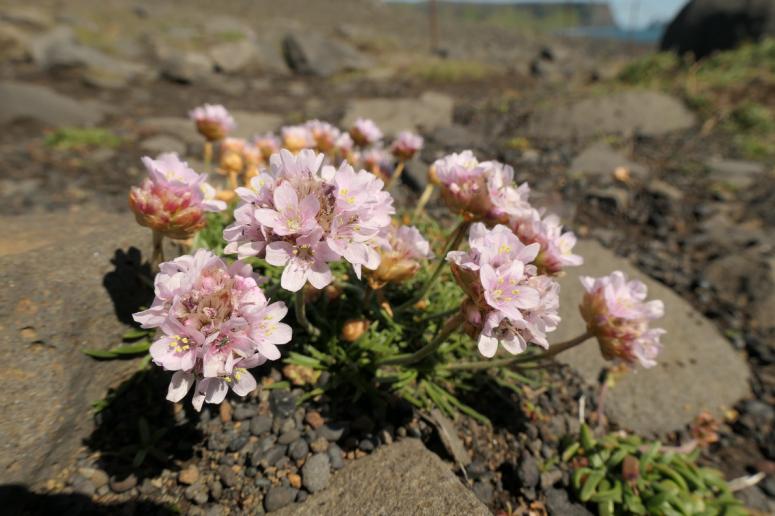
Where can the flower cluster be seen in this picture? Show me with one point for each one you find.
(401, 255)
(212, 121)
(216, 324)
(302, 215)
(486, 191)
(174, 198)
(508, 301)
(617, 313)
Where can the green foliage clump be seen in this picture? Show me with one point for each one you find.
(625, 475)
(69, 138)
(451, 71)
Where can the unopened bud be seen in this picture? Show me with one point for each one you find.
(353, 329)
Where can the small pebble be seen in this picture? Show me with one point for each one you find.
(282, 403)
(243, 411)
(287, 425)
(295, 480)
(188, 475)
(332, 431)
(123, 485)
(216, 489)
(84, 487)
(228, 476)
(301, 496)
(278, 497)
(238, 443)
(366, 445)
(314, 419)
(289, 437)
(316, 472)
(260, 424)
(336, 456)
(225, 411)
(263, 483)
(319, 445)
(299, 449)
(96, 476)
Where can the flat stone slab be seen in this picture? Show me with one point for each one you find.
(403, 478)
(427, 112)
(20, 100)
(250, 124)
(647, 113)
(67, 282)
(602, 160)
(698, 369)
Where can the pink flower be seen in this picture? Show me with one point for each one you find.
(303, 215)
(304, 260)
(268, 144)
(324, 134)
(617, 313)
(365, 132)
(406, 145)
(212, 121)
(174, 198)
(297, 137)
(216, 324)
(508, 304)
(556, 246)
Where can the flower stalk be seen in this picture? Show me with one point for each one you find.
(396, 175)
(553, 351)
(208, 155)
(452, 243)
(158, 250)
(300, 308)
(452, 324)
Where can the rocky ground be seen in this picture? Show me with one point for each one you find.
(686, 208)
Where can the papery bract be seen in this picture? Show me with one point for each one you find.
(174, 198)
(216, 323)
(401, 257)
(617, 313)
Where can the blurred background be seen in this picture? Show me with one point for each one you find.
(648, 125)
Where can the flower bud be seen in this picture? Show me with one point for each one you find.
(353, 329)
(212, 121)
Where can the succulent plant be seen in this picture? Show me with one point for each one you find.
(622, 474)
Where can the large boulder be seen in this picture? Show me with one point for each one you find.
(704, 26)
(403, 478)
(698, 369)
(647, 113)
(68, 282)
(20, 100)
(310, 53)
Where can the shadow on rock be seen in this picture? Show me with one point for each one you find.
(126, 284)
(138, 433)
(17, 500)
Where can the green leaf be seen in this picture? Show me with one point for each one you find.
(590, 485)
(99, 353)
(132, 349)
(278, 385)
(135, 333)
(570, 451)
(587, 440)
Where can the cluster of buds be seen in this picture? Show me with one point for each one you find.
(618, 315)
(173, 199)
(216, 324)
(508, 303)
(302, 215)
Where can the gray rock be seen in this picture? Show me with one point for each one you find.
(740, 277)
(735, 173)
(22, 100)
(56, 283)
(558, 504)
(197, 493)
(250, 123)
(273, 455)
(242, 412)
(237, 443)
(404, 478)
(298, 450)
(705, 26)
(528, 472)
(122, 485)
(282, 402)
(646, 113)
(27, 16)
(186, 66)
(162, 143)
(316, 472)
(332, 431)
(601, 160)
(698, 369)
(289, 437)
(366, 445)
(228, 476)
(14, 43)
(428, 112)
(310, 53)
(336, 456)
(452, 442)
(84, 487)
(233, 57)
(260, 424)
(278, 497)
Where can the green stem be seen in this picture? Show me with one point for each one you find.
(452, 243)
(396, 175)
(301, 314)
(208, 155)
(553, 351)
(158, 251)
(452, 324)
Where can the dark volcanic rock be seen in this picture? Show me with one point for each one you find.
(704, 26)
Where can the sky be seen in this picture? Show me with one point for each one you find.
(645, 11)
